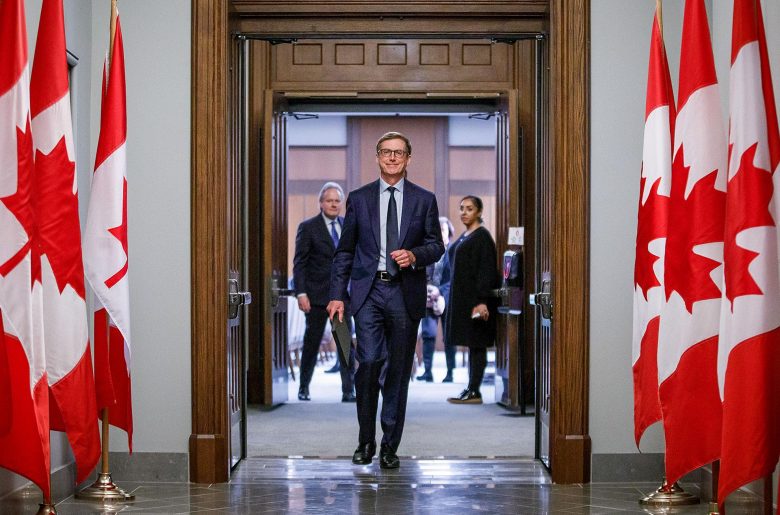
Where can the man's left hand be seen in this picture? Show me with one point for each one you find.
(404, 258)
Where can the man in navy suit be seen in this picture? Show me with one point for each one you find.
(391, 233)
(315, 245)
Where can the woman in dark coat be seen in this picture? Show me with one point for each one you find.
(471, 307)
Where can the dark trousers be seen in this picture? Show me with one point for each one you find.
(316, 319)
(430, 326)
(386, 337)
(477, 364)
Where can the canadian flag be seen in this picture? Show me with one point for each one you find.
(68, 356)
(105, 249)
(688, 341)
(24, 413)
(655, 184)
(749, 356)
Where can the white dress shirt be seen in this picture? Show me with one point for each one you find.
(384, 199)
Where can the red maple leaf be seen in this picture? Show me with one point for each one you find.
(21, 207)
(695, 220)
(747, 205)
(57, 209)
(651, 225)
(120, 233)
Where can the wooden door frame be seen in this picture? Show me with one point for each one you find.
(569, 156)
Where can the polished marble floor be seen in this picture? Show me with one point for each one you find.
(335, 486)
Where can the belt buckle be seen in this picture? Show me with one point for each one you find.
(385, 276)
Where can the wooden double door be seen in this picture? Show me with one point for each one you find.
(501, 80)
(510, 68)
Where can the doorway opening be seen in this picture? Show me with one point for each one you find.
(455, 153)
(562, 115)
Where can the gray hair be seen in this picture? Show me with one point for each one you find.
(331, 186)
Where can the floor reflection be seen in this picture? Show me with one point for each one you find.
(335, 486)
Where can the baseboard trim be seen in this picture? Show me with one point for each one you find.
(139, 466)
(150, 466)
(632, 468)
(63, 485)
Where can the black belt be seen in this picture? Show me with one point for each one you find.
(386, 276)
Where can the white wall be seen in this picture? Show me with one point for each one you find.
(619, 58)
(157, 63)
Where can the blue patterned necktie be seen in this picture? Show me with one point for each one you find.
(392, 233)
(334, 234)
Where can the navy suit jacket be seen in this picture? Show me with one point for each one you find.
(313, 258)
(357, 256)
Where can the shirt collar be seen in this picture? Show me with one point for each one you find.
(399, 186)
(328, 220)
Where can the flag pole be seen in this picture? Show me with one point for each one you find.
(104, 488)
(47, 507)
(714, 509)
(667, 495)
(112, 31)
(768, 484)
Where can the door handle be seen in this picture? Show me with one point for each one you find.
(277, 292)
(236, 298)
(543, 300)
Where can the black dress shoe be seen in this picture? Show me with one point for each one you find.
(364, 453)
(447, 378)
(303, 394)
(348, 397)
(467, 397)
(388, 459)
(335, 368)
(425, 376)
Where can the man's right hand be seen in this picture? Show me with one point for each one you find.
(334, 307)
(304, 304)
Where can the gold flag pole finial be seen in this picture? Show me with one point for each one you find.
(112, 30)
(659, 10)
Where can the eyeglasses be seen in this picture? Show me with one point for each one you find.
(386, 152)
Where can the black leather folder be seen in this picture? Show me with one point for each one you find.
(343, 337)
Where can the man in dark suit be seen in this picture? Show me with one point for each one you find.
(315, 245)
(391, 234)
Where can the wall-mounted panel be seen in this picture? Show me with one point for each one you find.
(350, 54)
(400, 65)
(307, 54)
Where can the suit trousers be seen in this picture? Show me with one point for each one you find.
(316, 319)
(386, 337)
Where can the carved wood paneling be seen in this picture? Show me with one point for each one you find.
(392, 26)
(210, 422)
(397, 65)
(570, 158)
(339, 8)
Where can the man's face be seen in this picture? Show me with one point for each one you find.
(392, 166)
(331, 203)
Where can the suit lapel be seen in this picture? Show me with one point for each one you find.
(373, 213)
(406, 210)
